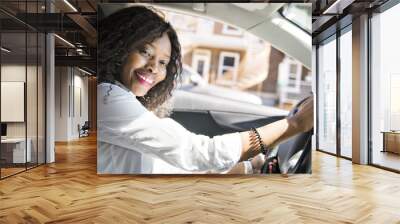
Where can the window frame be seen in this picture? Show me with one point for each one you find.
(234, 68)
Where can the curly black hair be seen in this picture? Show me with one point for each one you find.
(129, 29)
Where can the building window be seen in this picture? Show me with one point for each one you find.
(294, 76)
(289, 81)
(327, 96)
(228, 67)
(346, 94)
(227, 29)
(385, 89)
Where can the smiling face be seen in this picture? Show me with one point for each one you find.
(146, 66)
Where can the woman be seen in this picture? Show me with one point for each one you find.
(139, 65)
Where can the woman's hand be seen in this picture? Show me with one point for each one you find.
(303, 119)
(276, 132)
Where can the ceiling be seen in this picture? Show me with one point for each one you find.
(328, 16)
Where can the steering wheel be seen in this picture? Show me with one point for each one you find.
(293, 155)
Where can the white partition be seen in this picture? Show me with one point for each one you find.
(12, 101)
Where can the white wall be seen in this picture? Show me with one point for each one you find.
(69, 85)
(61, 105)
(12, 101)
(80, 84)
(12, 73)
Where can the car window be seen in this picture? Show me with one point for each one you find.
(223, 61)
(299, 14)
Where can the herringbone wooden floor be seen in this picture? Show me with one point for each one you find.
(70, 191)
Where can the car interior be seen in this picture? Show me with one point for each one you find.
(210, 116)
(293, 155)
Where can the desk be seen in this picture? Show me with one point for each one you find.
(13, 150)
(391, 141)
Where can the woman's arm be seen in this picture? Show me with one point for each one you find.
(274, 133)
(124, 122)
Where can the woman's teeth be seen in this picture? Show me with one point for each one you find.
(147, 80)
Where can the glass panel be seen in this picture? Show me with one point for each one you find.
(346, 94)
(31, 88)
(22, 88)
(13, 86)
(41, 98)
(327, 96)
(229, 61)
(385, 89)
(31, 97)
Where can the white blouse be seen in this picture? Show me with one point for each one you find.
(132, 139)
